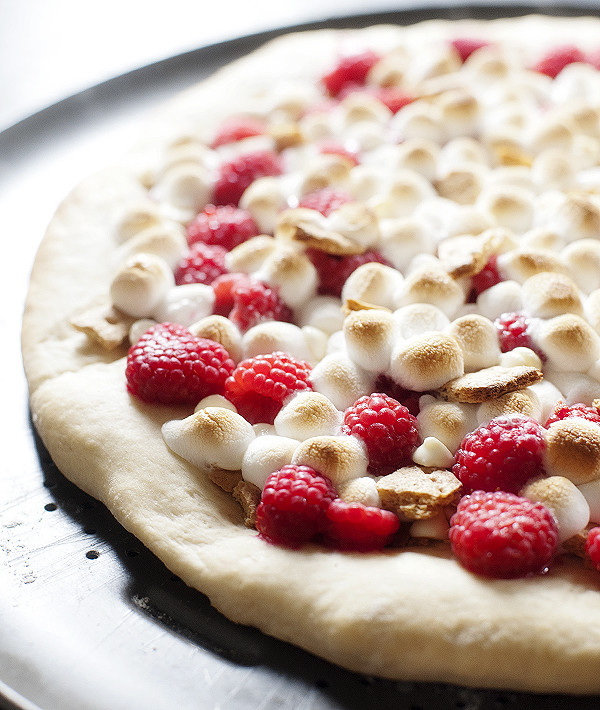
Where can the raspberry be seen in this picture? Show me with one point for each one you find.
(350, 70)
(239, 173)
(388, 429)
(486, 278)
(357, 527)
(593, 58)
(293, 505)
(394, 98)
(255, 302)
(408, 398)
(171, 366)
(202, 264)
(502, 455)
(236, 129)
(224, 287)
(565, 411)
(335, 148)
(513, 332)
(326, 200)
(592, 547)
(225, 226)
(259, 385)
(502, 535)
(334, 270)
(557, 59)
(465, 46)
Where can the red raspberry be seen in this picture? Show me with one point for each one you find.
(488, 276)
(239, 173)
(202, 264)
(502, 455)
(593, 58)
(293, 505)
(357, 527)
(334, 270)
(565, 411)
(408, 398)
(255, 302)
(171, 366)
(225, 226)
(592, 547)
(236, 129)
(394, 98)
(350, 70)
(388, 429)
(326, 200)
(465, 46)
(336, 148)
(557, 59)
(224, 287)
(502, 535)
(259, 385)
(513, 332)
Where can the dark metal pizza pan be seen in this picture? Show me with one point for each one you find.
(89, 619)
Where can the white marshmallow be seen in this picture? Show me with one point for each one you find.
(522, 263)
(221, 330)
(292, 272)
(569, 342)
(372, 283)
(583, 260)
(564, 500)
(360, 490)
(316, 342)
(369, 336)
(340, 458)
(520, 356)
(403, 238)
(322, 312)
(419, 318)
(478, 339)
(272, 336)
(432, 452)
(262, 429)
(449, 422)
(184, 190)
(139, 328)
(435, 528)
(511, 207)
(401, 196)
(215, 400)
(504, 297)
(575, 386)
(265, 455)
(419, 155)
(140, 284)
(591, 492)
(341, 380)
(592, 309)
(523, 401)
(426, 362)
(549, 294)
(306, 415)
(548, 395)
(211, 437)
(137, 218)
(356, 222)
(186, 304)
(166, 240)
(264, 199)
(249, 256)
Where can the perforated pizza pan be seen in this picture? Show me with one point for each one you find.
(90, 619)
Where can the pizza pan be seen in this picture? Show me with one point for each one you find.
(90, 619)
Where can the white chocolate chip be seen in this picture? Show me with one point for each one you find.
(432, 452)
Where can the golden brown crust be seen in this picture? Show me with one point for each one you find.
(489, 383)
(417, 492)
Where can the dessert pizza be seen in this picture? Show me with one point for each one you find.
(327, 341)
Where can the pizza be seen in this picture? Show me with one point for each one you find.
(327, 341)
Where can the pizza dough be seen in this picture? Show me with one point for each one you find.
(411, 614)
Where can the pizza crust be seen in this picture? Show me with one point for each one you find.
(402, 614)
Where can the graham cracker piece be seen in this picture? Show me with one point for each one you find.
(355, 304)
(325, 240)
(418, 492)
(489, 383)
(576, 545)
(104, 324)
(248, 496)
(227, 480)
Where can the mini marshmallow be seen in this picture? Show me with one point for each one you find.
(511, 207)
(432, 452)
(272, 336)
(449, 422)
(184, 190)
(435, 59)
(322, 312)
(340, 458)
(166, 240)
(553, 169)
(215, 400)
(542, 238)
(262, 429)
(265, 455)
(356, 222)
(140, 285)
(369, 336)
(360, 490)
(358, 107)
(504, 297)
(138, 328)
(419, 318)
(401, 196)
(430, 284)
(564, 500)
(569, 342)
(186, 304)
(551, 132)
(592, 309)
(419, 155)
(403, 238)
(460, 150)
(575, 386)
(469, 219)
(582, 258)
(478, 339)
(336, 343)
(373, 283)
(462, 184)
(306, 415)
(316, 342)
(419, 120)
(211, 437)
(574, 217)
(292, 272)
(137, 218)
(523, 401)
(550, 294)
(221, 330)
(264, 199)
(523, 263)
(426, 362)
(249, 256)
(520, 356)
(341, 380)
(573, 450)
(324, 170)
(591, 492)
(548, 396)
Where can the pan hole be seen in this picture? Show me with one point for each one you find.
(50, 506)
(92, 554)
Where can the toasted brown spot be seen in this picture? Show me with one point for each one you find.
(248, 496)
(286, 135)
(489, 383)
(416, 492)
(325, 240)
(573, 450)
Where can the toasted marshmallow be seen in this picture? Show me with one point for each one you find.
(322, 312)
(574, 217)
(449, 422)
(520, 264)
(306, 415)
(432, 452)
(511, 207)
(419, 120)
(573, 450)
(264, 199)
(549, 294)
(520, 356)
(426, 362)
(184, 190)
(430, 284)
(292, 272)
(360, 490)
(553, 169)
(341, 380)
(419, 155)
(574, 386)
(265, 455)
(369, 336)
(523, 401)
(138, 328)
(542, 238)
(137, 218)
(324, 170)
(548, 396)
(272, 336)
(504, 297)
(166, 240)
(582, 258)
(141, 284)
(591, 492)
(402, 195)
(419, 318)
(316, 342)
(403, 238)
(435, 528)
(569, 342)
(340, 458)
(221, 330)
(211, 437)
(462, 184)
(592, 309)
(215, 400)
(564, 500)
(478, 339)
(372, 283)
(356, 222)
(186, 304)
(249, 256)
